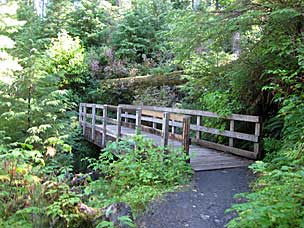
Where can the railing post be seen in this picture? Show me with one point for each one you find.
(173, 128)
(93, 122)
(80, 114)
(84, 119)
(138, 121)
(118, 122)
(154, 124)
(257, 145)
(231, 141)
(126, 118)
(198, 124)
(165, 129)
(104, 126)
(186, 134)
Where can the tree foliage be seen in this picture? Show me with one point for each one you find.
(49, 64)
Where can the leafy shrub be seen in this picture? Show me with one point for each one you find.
(66, 61)
(137, 173)
(277, 201)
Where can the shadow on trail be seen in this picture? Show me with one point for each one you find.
(203, 205)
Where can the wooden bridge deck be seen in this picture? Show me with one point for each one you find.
(201, 158)
(204, 155)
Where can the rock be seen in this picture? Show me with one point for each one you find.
(204, 217)
(117, 210)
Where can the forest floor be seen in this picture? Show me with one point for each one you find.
(202, 205)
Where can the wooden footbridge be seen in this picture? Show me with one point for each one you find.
(209, 148)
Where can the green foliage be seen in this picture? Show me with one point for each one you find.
(66, 60)
(137, 173)
(139, 33)
(89, 22)
(276, 202)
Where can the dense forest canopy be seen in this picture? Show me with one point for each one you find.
(232, 56)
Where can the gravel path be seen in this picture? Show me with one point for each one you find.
(201, 206)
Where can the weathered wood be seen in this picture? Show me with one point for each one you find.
(126, 117)
(202, 158)
(172, 127)
(165, 128)
(146, 120)
(138, 121)
(239, 117)
(231, 128)
(257, 145)
(220, 147)
(198, 123)
(186, 134)
(84, 119)
(93, 122)
(112, 107)
(159, 114)
(118, 122)
(104, 125)
(80, 114)
(230, 134)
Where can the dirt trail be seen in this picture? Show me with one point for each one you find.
(203, 205)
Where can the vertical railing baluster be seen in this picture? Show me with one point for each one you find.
(118, 122)
(198, 124)
(138, 121)
(126, 118)
(173, 127)
(84, 119)
(104, 125)
(165, 129)
(186, 134)
(93, 122)
(80, 114)
(231, 140)
(257, 145)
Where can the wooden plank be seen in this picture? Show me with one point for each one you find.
(87, 105)
(239, 117)
(125, 116)
(119, 122)
(231, 134)
(158, 114)
(165, 129)
(198, 123)
(104, 125)
(237, 151)
(231, 128)
(93, 122)
(80, 113)
(257, 145)
(186, 134)
(84, 119)
(112, 107)
(138, 120)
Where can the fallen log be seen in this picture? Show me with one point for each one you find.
(171, 79)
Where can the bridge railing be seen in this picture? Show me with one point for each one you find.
(154, 122)
(253, 123)
(170, 123)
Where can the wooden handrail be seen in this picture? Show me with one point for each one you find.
(133, 116)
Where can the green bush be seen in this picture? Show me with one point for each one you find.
(137, 173)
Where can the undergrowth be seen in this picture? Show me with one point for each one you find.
(135, 172)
